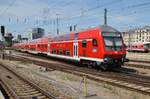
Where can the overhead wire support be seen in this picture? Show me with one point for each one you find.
(91, 9)
(103, 5)
(57, 23)
(105, 16)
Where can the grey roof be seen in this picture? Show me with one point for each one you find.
(106, 28)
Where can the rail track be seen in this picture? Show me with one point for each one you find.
(139, 64)
(18, 87)
(129, 81)
(133, 62)
(146, 61)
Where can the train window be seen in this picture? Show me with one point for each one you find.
(64, 52)
(94, 42)
(118, 41)
(60, 52)
(108, 41)
(68, 53)
(54, 51)
(76, 36)
(74, 50)
(84, 43)
(147, 46)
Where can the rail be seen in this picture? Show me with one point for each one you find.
(121, 80)
(48, 95)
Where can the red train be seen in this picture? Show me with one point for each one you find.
(101, 47)
(139, 47)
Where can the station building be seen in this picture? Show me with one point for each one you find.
(139, 35)
(36, 33)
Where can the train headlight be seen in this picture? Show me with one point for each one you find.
(106, 59)
(123, 58)
(94, 50)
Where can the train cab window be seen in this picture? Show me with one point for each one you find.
(84, 43)
(94, 42)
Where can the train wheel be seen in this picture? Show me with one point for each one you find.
(103, 67)
(82, 63)
(94, 64)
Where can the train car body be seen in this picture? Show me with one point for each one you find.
(42, 46)
(139, 47)
(101, 46)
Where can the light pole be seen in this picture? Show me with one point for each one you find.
(57, 22)
(105, 16)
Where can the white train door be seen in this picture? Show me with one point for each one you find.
(75, 50)
(48, 48)
(75, 47)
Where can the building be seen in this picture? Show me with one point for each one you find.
(125, 36)
(23, 39)
(139, 35)
(19, 37)
(36, 33)
(8, 39)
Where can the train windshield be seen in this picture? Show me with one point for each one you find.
(113, 41)
(147, 46)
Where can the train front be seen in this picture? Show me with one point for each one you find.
(114, 47)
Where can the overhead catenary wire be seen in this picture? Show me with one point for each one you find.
(131, 6)
(91, 9)
(87, 14)
(79, 16)
(67, 3)
(8, 7)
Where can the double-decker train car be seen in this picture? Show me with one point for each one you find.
(102, 47)
(139, 47)
(42, 45)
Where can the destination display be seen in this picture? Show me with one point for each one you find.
(111, 34)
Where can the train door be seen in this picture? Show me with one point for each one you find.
(48, 48)
(75, 50)
(84, 45)
(75, 46)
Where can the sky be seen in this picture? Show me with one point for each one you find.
(20, 16)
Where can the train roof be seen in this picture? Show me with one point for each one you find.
(69, 36)
(106, 28)
(103, 28)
